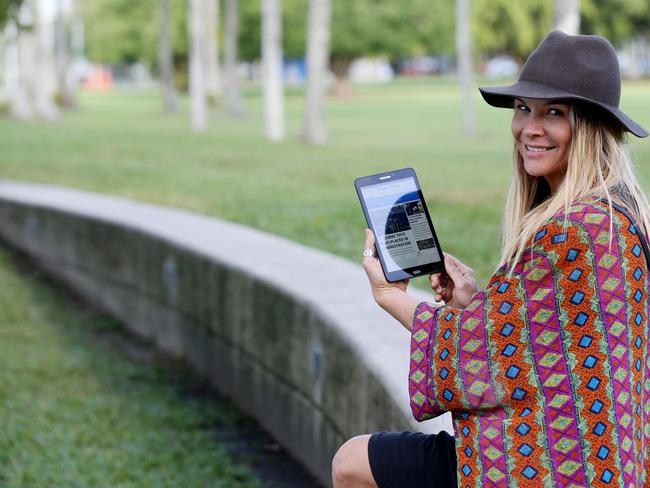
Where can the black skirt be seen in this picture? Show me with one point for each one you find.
(412, 460)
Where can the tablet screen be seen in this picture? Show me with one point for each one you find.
(402, 229)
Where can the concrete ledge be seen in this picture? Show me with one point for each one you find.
(290, 333)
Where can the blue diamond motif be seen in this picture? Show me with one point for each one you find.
(636, 250)
(505, 308)
(468, 451)
(599, 429)
(603, 452)
(607, 476)
(444, 354)
(632, 229)
(540, 234)
(638, 273)
(575, 275)
(525, 449)
(525, 412)
(572, 254)
(449, 316)
(466, 470)
(585, 341)
(577, 298)
(558, 238)
(529, 472)
(444, 372)
(464, 415)
(447, 395)
(507, 329)
(465, 431)
(509, 350)
(596, 407)
(594, 383)
(523, 428)
(519, 394)
(503, 287)
(590, 362)
(447, 334)
(581, 319)
(638, 296)
(638, 341)
(513, 372)
(638, 388)
(638, 318)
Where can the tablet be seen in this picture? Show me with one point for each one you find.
(406, 243)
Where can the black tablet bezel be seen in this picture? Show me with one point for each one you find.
(408, 273)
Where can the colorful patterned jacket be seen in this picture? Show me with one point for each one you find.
(546, 373)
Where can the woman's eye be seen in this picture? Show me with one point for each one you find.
(555, 111)
(521, 107)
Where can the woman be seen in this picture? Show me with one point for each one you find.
(545, 371)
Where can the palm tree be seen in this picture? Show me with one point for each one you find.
(198, 99)
(272, 68)
(212, 50)
(166, 58)
(233, 94)
(567, 16)
(464, 55)
(318, 46)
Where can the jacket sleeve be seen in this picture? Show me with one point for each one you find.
(483, 357)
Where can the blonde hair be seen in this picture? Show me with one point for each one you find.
(599, 167)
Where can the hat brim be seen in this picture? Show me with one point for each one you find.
(503, 97)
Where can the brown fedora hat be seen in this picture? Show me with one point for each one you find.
(569, 67)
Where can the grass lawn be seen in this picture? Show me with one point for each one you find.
(121, 143)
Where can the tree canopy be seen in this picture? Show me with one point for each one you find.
(8, 9)
(124, 31)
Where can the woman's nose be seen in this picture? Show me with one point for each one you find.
(533, 126)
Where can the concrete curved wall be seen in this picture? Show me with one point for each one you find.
(290, 333)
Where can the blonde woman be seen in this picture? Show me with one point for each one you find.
(545, 371)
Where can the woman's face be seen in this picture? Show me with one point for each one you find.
(542, 133)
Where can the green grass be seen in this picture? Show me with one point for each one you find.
(75, 411)
(121, 143)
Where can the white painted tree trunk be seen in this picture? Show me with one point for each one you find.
(44, 81)
(318, 42)
(233, 93)
(64, 73)
(21, 68)
(464, 55)
(272, 69)
(198, 96)
(166, 58)
(213, 12)
(3, 68)
(567, 16)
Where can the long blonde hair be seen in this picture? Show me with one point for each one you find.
(599, 167)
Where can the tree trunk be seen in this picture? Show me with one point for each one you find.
(196, 19)
(166, 58)
(21, 93)
(272, 69)
(567, 16)
(44, 81)
(63, 65)
(212, 51)
(318, 31)
(233, 94)
(464, 55)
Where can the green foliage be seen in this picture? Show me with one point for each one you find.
(126, 31)
(615, 19)
(8, 9)
(515, 28)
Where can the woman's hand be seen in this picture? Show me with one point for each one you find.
(456, 285)
(381, 288)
